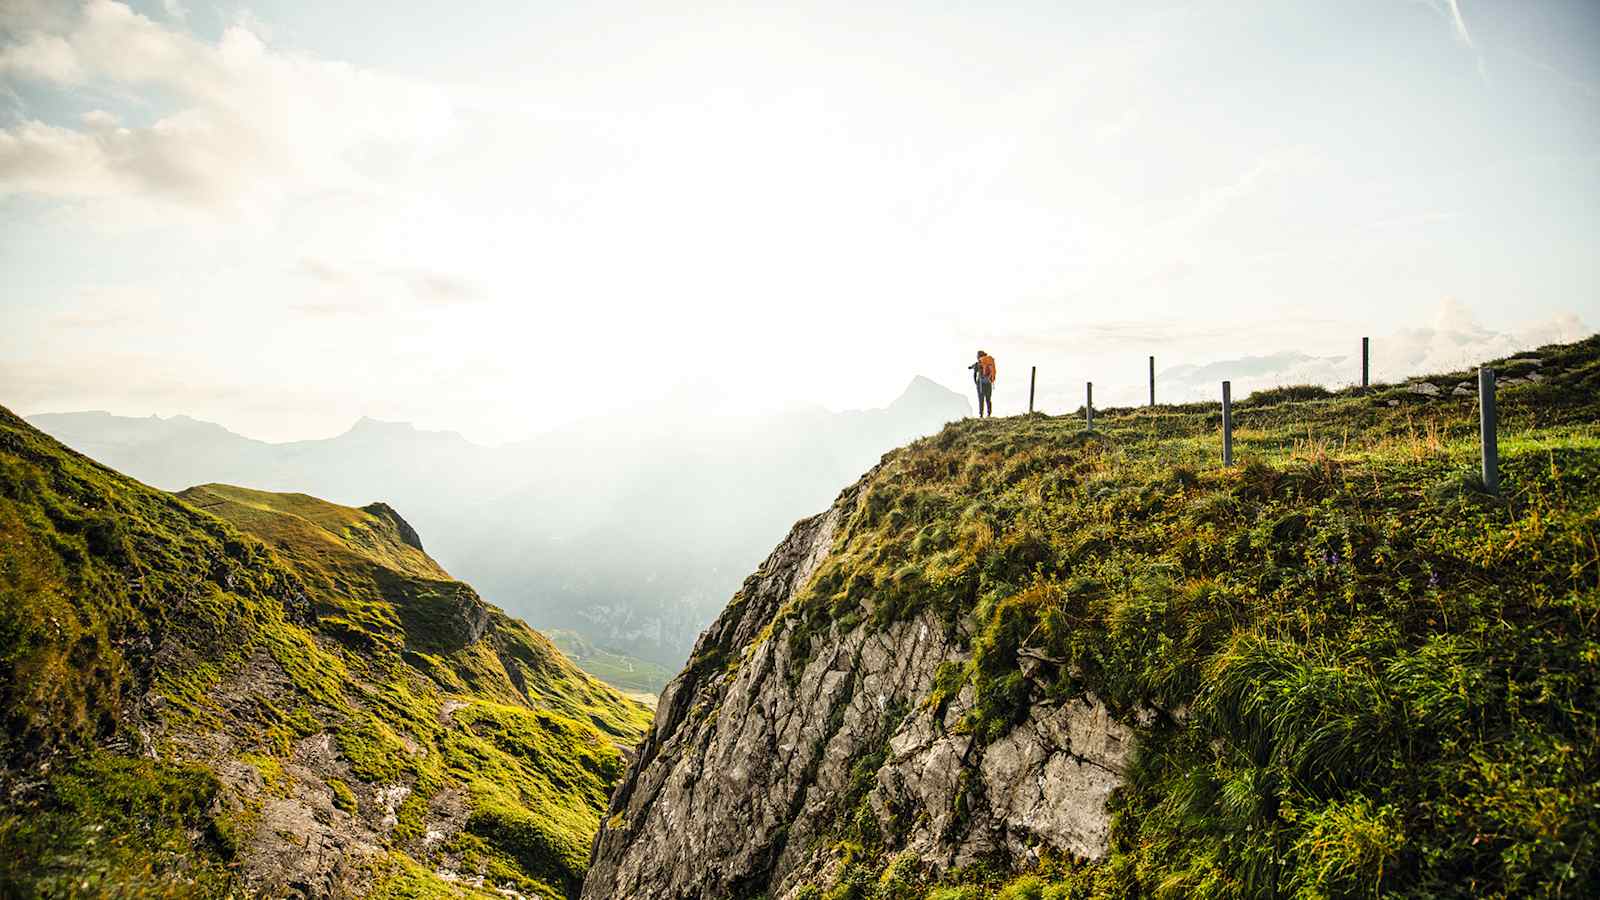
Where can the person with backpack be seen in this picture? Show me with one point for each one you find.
(983, 377)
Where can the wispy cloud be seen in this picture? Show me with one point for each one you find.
(440, 288)
(1459, 22)
(252, 125)
(1450, 11)
(1454, 340)
(361, 287)
(324, 272)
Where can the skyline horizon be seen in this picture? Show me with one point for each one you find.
(1114, 394)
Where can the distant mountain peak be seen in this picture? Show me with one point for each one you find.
(924, 394)
(381, 429)
(380, 426)
(923, 387)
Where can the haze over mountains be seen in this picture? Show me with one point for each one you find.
(631, 533)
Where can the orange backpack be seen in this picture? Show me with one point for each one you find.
(986, 366)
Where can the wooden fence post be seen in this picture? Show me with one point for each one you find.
(1227, 424)
(1366, 358)
(1152, 381)
(1486, 430)
(1033, 375)
(1088, 408)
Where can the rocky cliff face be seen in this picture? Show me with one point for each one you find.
(760, 752)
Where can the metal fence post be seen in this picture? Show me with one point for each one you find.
(1486, 430)
(1088, 408)
(1033, 375)
(1152, 381)
(1227, 424)
(1366, 358)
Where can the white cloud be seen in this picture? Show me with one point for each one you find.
(1455, 340)
(42, 56)
(1113, 130)
(1460, 23)
(251, 128)
(19, 17)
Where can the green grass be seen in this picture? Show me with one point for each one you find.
(110, 589)
(626, 673)
(1370, 677)
(117, 827)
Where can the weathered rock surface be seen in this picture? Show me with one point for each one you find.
(753, 750)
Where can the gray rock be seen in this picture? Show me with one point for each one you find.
(1425, 388)
(742, 775)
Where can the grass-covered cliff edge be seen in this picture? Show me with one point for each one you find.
(1345, 670)
(232, 692)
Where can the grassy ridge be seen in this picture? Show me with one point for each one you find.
(1368, 677)
(132, 630)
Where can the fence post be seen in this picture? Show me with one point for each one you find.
(1088, 408)
(1486, 430)
(1033, 375)
(1366, 358)
(1152, 381)
(1227, 424)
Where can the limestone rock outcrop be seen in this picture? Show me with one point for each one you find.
(757, 754)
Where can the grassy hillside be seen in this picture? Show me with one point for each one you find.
(638, 677)
(195, 690)
(1361, 674)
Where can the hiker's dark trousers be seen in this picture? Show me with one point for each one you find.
(985, 397)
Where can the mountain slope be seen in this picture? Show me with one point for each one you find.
(276, 695)
(630, 532)
(1023, 660)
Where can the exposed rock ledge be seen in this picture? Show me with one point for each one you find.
(742, 773)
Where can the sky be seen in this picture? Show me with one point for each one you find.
(500, 217)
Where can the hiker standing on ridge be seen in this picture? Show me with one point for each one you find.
(983, 377)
